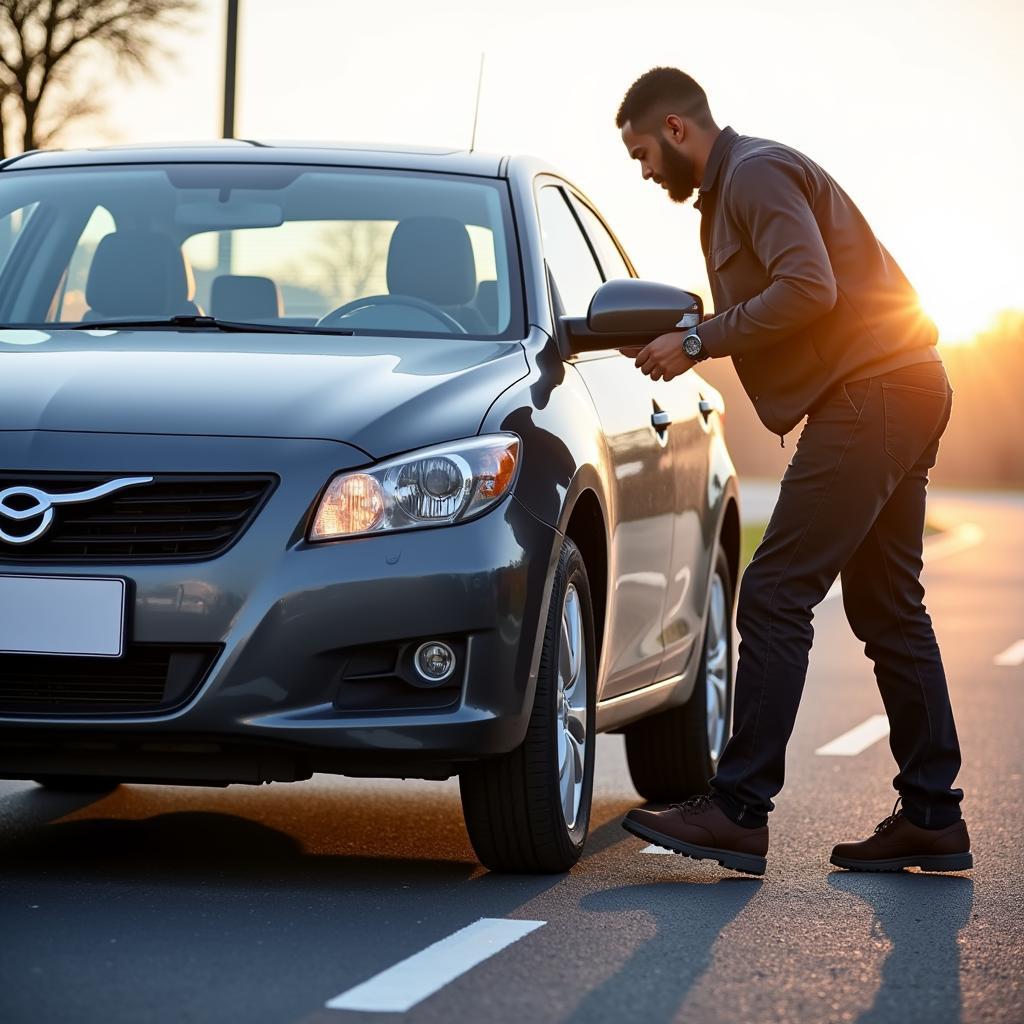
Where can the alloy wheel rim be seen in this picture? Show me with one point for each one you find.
(716, 648)
(571, 707)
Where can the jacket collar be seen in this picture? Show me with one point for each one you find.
(719, 149)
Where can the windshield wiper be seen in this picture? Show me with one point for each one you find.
(189, 320)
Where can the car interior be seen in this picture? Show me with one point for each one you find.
(145, 273)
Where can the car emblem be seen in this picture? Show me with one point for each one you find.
(44, 503)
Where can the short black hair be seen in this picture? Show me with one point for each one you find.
(664, 89)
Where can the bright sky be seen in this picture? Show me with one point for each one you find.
(914, 106)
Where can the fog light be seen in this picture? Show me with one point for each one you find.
(435, 661)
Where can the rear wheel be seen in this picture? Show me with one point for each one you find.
(529, 810)
(672, 754)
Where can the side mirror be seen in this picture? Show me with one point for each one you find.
(628, 311)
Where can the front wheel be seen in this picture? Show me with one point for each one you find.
(673, 754)
(529, 810)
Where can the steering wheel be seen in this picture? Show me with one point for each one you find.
(329, 319)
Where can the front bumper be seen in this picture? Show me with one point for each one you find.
(287, 615)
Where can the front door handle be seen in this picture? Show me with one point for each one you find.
(706, 408)
(660, 420)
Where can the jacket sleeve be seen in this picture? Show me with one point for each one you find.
(768, 200)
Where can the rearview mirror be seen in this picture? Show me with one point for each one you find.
(233, 214)
(628, 311)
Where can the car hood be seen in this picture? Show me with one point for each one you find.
(382, 395)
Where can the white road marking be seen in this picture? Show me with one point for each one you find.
(856, 740)
(1013, 655)
(409, 981)
(953, 541)
(656, 849)
(938, 545)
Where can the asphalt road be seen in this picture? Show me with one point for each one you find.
(173, 904)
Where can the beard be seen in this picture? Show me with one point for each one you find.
(679, 173)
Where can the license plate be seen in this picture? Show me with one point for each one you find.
(62, 615)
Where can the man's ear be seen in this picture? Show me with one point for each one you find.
(676, 127)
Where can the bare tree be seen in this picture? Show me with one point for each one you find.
(44, 44)
(350, 257)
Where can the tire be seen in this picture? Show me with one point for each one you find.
(670, 754)
(77, 783)
(513, 803)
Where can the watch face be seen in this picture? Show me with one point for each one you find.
(691, 344)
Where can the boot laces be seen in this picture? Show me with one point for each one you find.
(693, 803)
(886, 823)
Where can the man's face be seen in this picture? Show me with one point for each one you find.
(670, 167)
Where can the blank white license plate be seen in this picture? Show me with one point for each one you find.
(62, 615)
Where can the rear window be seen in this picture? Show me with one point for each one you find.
(374, 251)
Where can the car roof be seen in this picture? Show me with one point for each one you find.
(350, 154)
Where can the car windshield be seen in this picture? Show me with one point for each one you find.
(309, 247)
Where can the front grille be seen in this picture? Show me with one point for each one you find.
(177, 517)
(149, 678)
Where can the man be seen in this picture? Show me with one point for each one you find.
(819, 321)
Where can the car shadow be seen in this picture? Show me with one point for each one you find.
(921, 915)
(145, 833)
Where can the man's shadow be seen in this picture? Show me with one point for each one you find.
(922, 916)
(689, 916)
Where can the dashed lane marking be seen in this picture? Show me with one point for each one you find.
(938, 545)
(1013, 655)
(857, 740)
(411, 980)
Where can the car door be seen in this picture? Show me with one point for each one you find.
(641, 463)
(688, 440)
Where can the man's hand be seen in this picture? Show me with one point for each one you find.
(663, 358)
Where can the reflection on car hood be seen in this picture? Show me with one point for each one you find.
(383, 395)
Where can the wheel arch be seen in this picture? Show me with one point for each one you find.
(586, 526)
(730, 538)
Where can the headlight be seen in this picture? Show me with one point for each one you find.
(446, 483)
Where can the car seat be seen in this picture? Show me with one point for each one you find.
(432, 258)
(139, 274)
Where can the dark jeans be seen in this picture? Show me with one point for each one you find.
(852, 503)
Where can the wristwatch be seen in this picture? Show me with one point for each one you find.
(692, 346)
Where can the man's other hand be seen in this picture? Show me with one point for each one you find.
(663, 358)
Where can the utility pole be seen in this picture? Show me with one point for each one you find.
(224, 238)
(230, 65)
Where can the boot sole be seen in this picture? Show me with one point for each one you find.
(748, 863)
(939, 862)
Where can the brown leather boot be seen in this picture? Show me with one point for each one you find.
(898, 843)
(699, 828)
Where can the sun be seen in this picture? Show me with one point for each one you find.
(959, 322)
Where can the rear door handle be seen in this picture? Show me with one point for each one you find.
(660, 420)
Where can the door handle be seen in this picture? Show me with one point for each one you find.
(660, 420)
(706, 408)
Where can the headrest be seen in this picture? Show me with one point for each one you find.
(139, 273)
(432, 258)
(244, 297)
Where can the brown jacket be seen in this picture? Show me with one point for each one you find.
(807, 296)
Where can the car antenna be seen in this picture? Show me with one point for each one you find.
(476, 112)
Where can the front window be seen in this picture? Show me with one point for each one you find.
(313, 248)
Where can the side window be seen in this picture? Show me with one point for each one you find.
(11, 226)
(69, 303)
(608, 253)
(569, 257)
